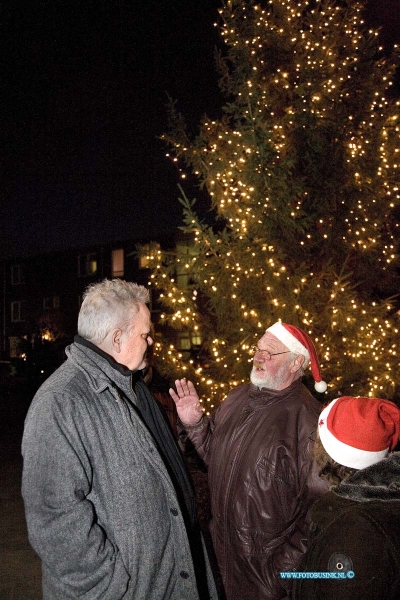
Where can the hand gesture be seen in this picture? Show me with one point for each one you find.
(187, 402)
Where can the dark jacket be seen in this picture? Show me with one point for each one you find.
(101, 509)
(356, 527)
(257, 446)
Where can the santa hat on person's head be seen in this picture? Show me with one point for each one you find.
(359, 432)
(300, 343)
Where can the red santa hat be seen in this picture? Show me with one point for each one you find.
(359, 432)
(300, 343)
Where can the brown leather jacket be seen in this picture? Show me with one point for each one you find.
(262, 481)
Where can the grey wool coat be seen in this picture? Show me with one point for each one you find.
(101, 510)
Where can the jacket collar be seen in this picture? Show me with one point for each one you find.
(99, 368)
(377, 482)
(262, 396)
(117, 366)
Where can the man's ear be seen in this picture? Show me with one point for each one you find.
(297, 363)
(116, 340)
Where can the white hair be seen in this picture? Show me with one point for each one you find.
(107, 305)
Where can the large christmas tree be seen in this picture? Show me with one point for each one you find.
(302, 171)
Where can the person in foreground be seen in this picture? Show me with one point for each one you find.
(262, 479)
(109, 506)
(355, 529)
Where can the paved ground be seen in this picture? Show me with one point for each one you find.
(20, 576)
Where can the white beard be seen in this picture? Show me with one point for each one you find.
(265, 379)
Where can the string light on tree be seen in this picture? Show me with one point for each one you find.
(302, 170)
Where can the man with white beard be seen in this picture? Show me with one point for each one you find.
(258, 449)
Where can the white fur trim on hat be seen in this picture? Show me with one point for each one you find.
(284, 336)
(342, 453)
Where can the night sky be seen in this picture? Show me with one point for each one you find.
(83, 102)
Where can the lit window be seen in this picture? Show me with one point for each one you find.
(196, 339)
(18, 346)
(189, 341)
(144, 262)
(118, 263)
(184, 342)
(87, 264)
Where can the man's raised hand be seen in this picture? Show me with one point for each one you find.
(187, 402)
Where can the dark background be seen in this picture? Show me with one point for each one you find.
(83, 102)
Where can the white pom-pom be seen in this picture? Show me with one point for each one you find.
(320, 386)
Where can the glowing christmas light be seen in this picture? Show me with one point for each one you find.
(302, 170)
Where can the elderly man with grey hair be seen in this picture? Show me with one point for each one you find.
(257, 446)
(109, 505)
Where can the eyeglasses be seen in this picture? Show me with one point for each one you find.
(266, 353)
